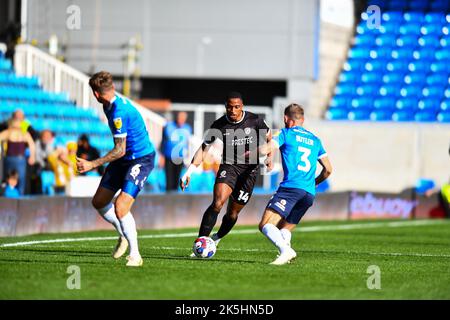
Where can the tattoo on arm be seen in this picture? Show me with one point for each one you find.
(117, 152)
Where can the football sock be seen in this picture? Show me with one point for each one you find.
(274, 235)
(287, 235)
(228, 223)
(208, 222)
(129, 230)
(109, 215)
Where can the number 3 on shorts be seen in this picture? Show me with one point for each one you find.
(243, 196)
(304, 158)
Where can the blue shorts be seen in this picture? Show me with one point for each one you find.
(291, 203)
(128, 175)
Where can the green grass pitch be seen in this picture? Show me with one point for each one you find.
(332, 263)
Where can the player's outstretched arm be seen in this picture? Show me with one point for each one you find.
(326, 170)
(120, 145)
(197, 160)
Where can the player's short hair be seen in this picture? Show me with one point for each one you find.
(101, 81)
(294, 111)
(234, 95)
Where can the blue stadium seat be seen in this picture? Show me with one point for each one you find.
(397, 66)
(345, 89)
(403, 54)
(371, 77)
(392, 16)
(407, 104)
(337, 114)
(419, 66)
(438, 79)
(359, 53)
(386, 103)
(365, 41)
(359, 114)
(394, 77)
(367, 90)
(389, 90)
(416, 17)
(407, 41)
(376, 66)
(388, 28)
(431, 29)
(443, 54)
(381, 115)
(415, 78)
(340, 102)
(411, 91)
(403, 116)
(386, 40)
(412, 28)
(349, 77)
(425, 116)
(362, 102)
(445, 105)
(439, 67)
(430, 41)
(434, 18)
(354, 65)
(429, 105)
(434, 92)
(424, 53)
(444, 116)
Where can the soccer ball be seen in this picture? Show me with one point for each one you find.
(204, 247)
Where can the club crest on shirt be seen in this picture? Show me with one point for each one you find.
(247, 130)
(118, 123)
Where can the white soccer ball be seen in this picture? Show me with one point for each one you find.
(204, 247)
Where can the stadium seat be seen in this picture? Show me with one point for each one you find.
(389, 90)
(403, 116)
(381, 115)
(359, 114)
(429, 105)
(418, 17)
(362, 102)
(444, 116)
(425, 116)
(336, 114)
(386, 103)
(407, 104)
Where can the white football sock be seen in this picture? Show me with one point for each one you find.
(109, 215)
(287, 235)
(129, 230)
(274, 235)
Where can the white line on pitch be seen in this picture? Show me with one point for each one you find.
(244, 231)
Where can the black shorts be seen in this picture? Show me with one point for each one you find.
(241, 178)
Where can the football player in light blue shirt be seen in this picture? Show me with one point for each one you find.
(130, 162)
(300, 151)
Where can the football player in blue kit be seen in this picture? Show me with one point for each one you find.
(300, 151)
(130, 162)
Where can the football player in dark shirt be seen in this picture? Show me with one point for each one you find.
(241, 133)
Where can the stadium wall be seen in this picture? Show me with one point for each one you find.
(384, 156)
(63, 214)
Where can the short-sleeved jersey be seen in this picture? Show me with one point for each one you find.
(240, 139)
(125, 121)
(300, 151)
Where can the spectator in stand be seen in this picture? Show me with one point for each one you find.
(15, 142)
(9, 188)
(63, 163)
(87, 152)
(25, 125)
(44, 147)
(174, 148)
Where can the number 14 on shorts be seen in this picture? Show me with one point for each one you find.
(243, 196)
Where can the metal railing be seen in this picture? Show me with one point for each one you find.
(56, 76)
